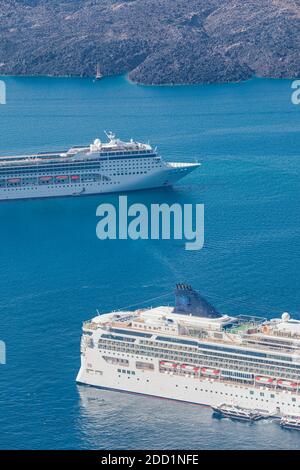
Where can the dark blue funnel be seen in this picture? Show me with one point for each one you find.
(188, 301)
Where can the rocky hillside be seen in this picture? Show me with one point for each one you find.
(156, 41)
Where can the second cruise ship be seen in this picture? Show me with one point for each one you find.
(192, 353)
(97, 168)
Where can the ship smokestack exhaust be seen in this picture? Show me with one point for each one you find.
(188, 301)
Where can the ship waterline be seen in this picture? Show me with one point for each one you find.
(194, 354)
(98, 168)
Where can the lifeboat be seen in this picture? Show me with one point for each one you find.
(264, 380)
(168, 365)
(14, 180)
(287, 384)
(209, 372)
(45, 178)
(189, 368)
(75, 177)
(61, 177)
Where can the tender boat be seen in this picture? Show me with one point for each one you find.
(236, 412)
(290, 422)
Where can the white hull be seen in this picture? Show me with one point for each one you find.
(155, 179)
(95, 371)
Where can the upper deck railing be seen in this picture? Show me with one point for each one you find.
(227, 339)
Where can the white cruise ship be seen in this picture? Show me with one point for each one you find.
(192, 353)
(97, 168)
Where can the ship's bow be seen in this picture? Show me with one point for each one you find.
(177, 171)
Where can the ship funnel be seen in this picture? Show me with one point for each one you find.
(188, 301)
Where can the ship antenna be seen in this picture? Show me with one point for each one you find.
(110, 135)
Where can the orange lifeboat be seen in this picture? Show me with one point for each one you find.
(168, 365)
(14, 180)
(209, 372)
(75, 177)
(45, 178)
(61, 177)
(189, 368)
(287, 384)
(264, 380)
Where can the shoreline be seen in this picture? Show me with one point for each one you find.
(132, 82)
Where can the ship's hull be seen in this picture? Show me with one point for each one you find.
(95, 371)
(161, 178)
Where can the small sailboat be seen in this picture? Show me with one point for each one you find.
(98, 73)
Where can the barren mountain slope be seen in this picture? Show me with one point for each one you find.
(156, 41)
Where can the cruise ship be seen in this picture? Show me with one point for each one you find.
(192, 353)
(97, 168)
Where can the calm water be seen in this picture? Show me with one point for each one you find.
(54, 272)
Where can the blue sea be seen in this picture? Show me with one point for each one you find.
(55, 273)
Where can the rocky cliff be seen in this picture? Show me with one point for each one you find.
(155, 41)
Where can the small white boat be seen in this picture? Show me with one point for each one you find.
(98, 73)
(290, 422)
(236, 412)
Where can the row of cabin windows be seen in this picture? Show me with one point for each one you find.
(70, 171)
(123, 371)
(52, 186)
(79, 165)
(90, 177)
(203, 360)
(176, 347)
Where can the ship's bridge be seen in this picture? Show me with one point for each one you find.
(115, 144)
